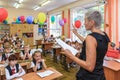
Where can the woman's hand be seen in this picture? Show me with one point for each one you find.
(74, 30)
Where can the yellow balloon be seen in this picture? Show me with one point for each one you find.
(7, 18)
(35, 20)
(41, 17)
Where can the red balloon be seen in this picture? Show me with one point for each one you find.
(22, 18)
(77, 24)
(3, 14)
(65, 20)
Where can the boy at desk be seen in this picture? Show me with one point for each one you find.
(26, 53)
(13, 69)
(38, 63)
(6, 53)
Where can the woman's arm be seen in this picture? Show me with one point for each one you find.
(76, 33)
(89, 64)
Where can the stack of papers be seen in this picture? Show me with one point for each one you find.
(66, 46)
(19, 79)
(2, 65)
(118, 60)
(45, 73)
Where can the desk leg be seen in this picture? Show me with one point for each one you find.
(54, 56)
(65, 63)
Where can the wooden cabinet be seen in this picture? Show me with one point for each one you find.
(24, 31)
(4, 28)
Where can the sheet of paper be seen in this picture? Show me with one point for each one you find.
(19, 79)
(2, 65)
(66, 46)
(118, 60)
(45, 73)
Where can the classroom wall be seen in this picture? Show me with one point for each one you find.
(14, 13)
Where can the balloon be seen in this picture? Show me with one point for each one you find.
(22, 18)
(40, 30)
(3, 14)
(52, 19)
(17, 21)
(65, 20)
(14, 19)
(5, 21)
(35, 20)
(77, 24)
(18, 18)
(76, 19)
(29, 19)
(41, 17)
(61, 22)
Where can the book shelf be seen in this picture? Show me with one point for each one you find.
(4, 28)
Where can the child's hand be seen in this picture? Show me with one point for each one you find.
(3, 62)
(20, 70)
(38, 61)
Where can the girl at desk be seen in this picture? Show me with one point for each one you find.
(38, 63)
(26, 53)
(13, 69)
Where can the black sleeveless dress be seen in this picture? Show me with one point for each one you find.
(98, 72)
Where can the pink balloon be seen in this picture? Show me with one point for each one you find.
(22, 18)
(65, 20)
(3, 14)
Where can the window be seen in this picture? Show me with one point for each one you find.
(55, 28)
(78, 14)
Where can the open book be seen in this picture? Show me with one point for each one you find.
(66, 46)
(45, 73)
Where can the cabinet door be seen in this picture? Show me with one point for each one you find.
(13, 29)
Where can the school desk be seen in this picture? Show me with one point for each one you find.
(47, 46)
(112, 70)
(25, 65)
(56, 52)
(34, 76)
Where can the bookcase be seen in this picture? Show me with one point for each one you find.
(4, 28)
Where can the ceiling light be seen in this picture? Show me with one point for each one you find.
(20, 1)
(36, 8)
(16, 5)
(46, 2)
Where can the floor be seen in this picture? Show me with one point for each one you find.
(67, 75)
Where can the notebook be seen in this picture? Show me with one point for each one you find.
(45, 73)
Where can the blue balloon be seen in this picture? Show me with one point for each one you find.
(29, 20)
(52, 19)
(76, 19)
(18, 18)
(5, 21)
(40, 30)
(17, 21)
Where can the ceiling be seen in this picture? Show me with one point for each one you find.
(30, 4)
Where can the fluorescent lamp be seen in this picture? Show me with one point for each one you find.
(16, 5)
(20, 1)
(46, 2)
(36, 8)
